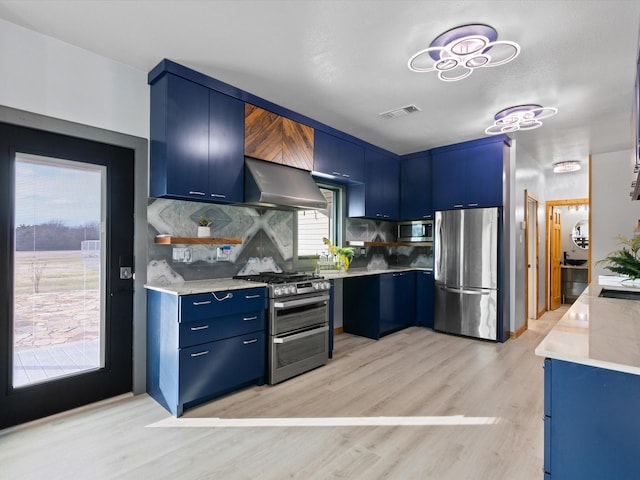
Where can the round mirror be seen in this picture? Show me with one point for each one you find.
(580, 234)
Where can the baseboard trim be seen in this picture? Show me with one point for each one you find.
(518, 332)
(338, 330)
(541, 312)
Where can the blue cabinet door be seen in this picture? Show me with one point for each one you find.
(397, 301)
(179, 151)
(416, 201)
(448, 180)
(379, 197)
(468, 175)
(361, 308)
(197, 142)
(483, 176)
(337, 159)
(424, 298)
(593, 426)
(226, 148)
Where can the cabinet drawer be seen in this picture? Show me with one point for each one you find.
(215, 304)
(217, 367)
(218, 328)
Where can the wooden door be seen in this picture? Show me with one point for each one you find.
(555, 250)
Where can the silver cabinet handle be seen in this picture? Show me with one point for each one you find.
(202, 327)
(473, 204)
(226, 297)
(247, 319)
(196, 193)
(207, 302)
(336, 173)
(298, 336)
(249, 342)
(249, 297)
(218, 195)
(199, 354)
(300, 303)
(459, 205)
(346, 175)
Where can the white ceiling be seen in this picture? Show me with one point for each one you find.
(344, 62)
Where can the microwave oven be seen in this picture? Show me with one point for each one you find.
(416, 231)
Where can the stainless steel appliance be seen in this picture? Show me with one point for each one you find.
(466, 272)
(416, 231)
(298, 331)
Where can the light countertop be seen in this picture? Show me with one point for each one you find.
(596, 331)
(204, 286)
(222, 284)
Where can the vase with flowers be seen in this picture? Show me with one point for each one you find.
(343, 254)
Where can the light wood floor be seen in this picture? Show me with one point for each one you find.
(414, 376)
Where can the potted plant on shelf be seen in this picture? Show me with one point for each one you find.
(204, 227)
(626, 261)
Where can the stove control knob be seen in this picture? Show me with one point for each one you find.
(326, 285)
(293, 289)
(277, 291)
(316, 285)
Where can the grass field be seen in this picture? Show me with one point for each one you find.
(60, 271)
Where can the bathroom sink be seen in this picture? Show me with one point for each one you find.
(622, 294)
(574, 262)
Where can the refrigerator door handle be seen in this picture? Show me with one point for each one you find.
(466, 291)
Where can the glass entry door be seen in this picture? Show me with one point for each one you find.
(66, 245)
(59, 266)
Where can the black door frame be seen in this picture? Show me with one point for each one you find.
(140, 147)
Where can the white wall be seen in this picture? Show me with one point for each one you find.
(49, 77)
(612, 211)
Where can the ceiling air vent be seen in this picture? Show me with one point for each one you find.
(399, 112)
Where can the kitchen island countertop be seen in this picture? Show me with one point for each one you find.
(596, 331)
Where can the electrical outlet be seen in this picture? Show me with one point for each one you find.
(181, 254)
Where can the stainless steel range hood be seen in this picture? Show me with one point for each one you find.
(269, 184)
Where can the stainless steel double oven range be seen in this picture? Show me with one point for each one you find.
(298, 331)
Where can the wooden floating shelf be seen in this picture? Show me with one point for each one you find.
(196, 241)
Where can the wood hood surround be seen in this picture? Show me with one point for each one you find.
(271, 137)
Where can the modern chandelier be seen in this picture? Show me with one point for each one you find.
(456, 53)
(520, 117)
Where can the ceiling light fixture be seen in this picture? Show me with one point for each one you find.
(456, 53)
(566, 166)
(521, 117)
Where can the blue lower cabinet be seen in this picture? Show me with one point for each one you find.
(592, 430)
(424, 298)
(218, 367)
(377, 305)
(204, 345)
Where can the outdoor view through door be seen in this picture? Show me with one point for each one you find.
(59, 211)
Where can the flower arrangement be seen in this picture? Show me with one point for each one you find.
(625, 261)
(345, 254)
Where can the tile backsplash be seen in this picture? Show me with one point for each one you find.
(267, 242)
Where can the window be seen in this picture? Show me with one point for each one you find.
(314, 225)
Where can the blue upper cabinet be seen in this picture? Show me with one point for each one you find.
(338, 159)
(469, 174)
(197, 142)
(416, 199)
(379, 197)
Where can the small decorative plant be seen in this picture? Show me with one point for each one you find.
(204, 222)
(625, 261)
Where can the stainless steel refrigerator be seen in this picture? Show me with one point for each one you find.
(466, 272)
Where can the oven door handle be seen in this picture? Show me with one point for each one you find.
(301, 303)
(298, 336)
